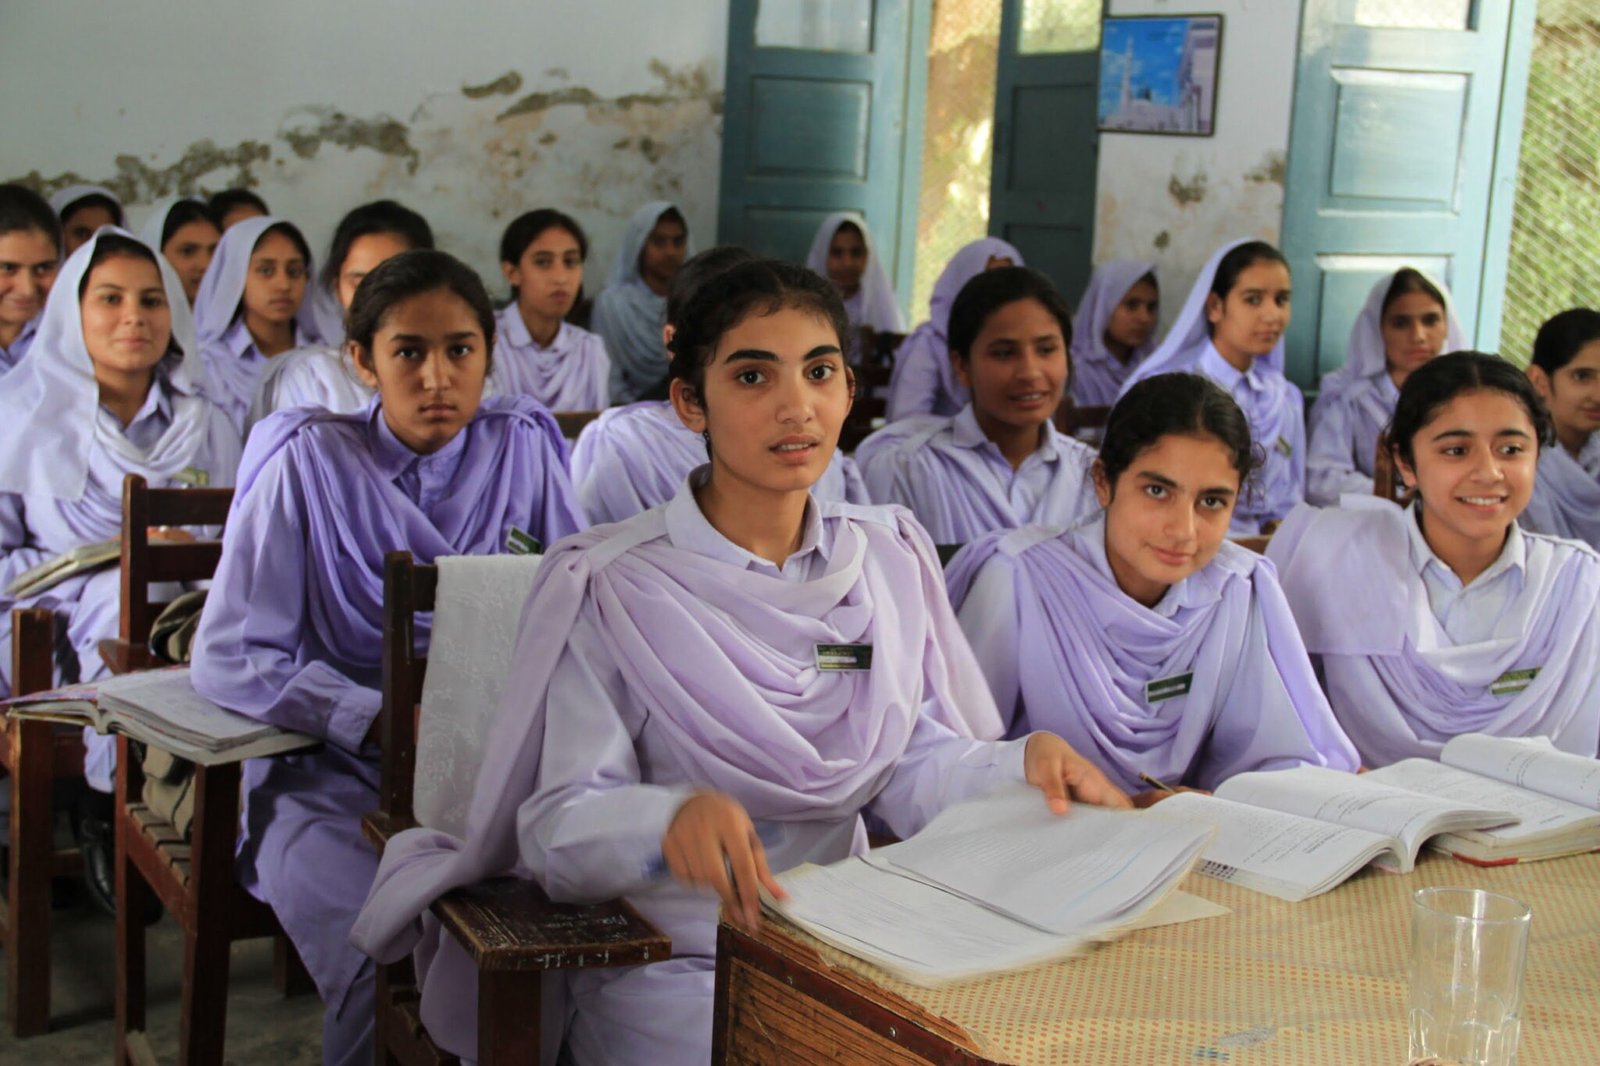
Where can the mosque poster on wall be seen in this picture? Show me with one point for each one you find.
(1158, 74)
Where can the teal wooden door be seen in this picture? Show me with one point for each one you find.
(1042, 191)
(1406, 120)
(823, 114)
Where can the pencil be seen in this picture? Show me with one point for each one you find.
(1154, 783)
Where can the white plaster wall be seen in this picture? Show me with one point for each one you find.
(592, 107)
(1175, 199)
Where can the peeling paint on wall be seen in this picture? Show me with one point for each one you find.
(1161, 241)
(1273, 169)
(1188, 192)
(309, 128)
(504, 85)
(203, 167)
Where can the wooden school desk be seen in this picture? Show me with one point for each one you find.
(1317, 982)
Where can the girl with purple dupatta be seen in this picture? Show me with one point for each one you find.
(668, 712)
(1566, 372)
(631, 310)
(324, 375)
(633, 458)
(109, 390)
(923, 382)
(540, 353)
(1114, 330)
(292, 632)
(1445, 617)
(1231, 330)
(1143, 636)
(1000, 463)
(251, 308)
(1406, 321)
(182, 230)
(30, 255)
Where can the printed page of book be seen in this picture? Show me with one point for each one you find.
(1528, 762)
(1352, 800)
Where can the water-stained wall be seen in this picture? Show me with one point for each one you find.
(470, 113)
(1175, 199)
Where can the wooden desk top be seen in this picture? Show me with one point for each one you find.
(1317, 982)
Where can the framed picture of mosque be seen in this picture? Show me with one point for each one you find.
(1158, 74)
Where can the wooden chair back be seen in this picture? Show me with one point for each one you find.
(33, 755)
(191, 875)
(1385, 478)
(572, 422)
(1077, 421)
(873, 367)
(507, 925)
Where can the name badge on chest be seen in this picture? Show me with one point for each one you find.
(1285, 449)
(1165, 688)
(1513, 681)
(521, 542)
(844, 656)
(193, 477)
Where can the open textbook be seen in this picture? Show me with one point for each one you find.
(1528, 776)
(161, 708)
(998, 884)
(57, 568)
(1297, 833)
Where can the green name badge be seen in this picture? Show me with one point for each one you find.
(1166, 688)
(1513, 681)
(1285, 449)
(844, 656)
(193, 477)
(521, 542)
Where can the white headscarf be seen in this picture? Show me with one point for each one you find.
(1367, 356)
(64, 198)
(628, 315)
(150, 233)
(879, 309)
(1190, 334)
(48, 425)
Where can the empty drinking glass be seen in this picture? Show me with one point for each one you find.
(1468, 949)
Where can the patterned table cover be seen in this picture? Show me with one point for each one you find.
(1317, 982)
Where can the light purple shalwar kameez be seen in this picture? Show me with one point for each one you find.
(293, 632)
(1355, 403)
(1097, 375)
(959, 486)
(1410, 657)
(233, 363)
(923, 382)
(656, 659)
(1273, 404)
(63, 458)
(1566, 494)
(632, 458)
(13, 353)
(313, 376)
(1066, 650)
(572, 374)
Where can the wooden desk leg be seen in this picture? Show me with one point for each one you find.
(203, 1015)
(509, 1017)
(131, 893)
(28, 909)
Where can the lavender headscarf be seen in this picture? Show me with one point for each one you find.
(64, 198)
(231, 381)
(1087, 650)
(629, 317)
(875, 305)
(1190, 334)
(1399, 686)
(48, 428)
(1097, 375)
(923, 382)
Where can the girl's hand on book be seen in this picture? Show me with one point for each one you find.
(1054, 768)
(1151, 797)
(713, 843)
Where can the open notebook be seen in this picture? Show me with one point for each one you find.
(161, 708)
(996, 884)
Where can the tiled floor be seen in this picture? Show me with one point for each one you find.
(263, 1027)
